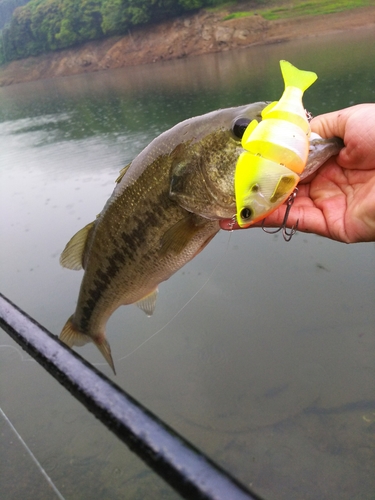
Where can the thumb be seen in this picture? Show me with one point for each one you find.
(356, 126)
(330, 124)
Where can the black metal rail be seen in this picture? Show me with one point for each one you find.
(192, 474)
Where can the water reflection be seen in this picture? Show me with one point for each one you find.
(155, 97)
(270, 368)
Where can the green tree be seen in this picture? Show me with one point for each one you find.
(46, 18)
(114, 17)
(20, 30)
(43, 25)
(7, 8)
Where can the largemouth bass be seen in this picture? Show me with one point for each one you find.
(164, 210)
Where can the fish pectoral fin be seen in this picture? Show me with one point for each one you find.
(122, 173)
(71, 336)
(148, 303)
(205, 243)
(179, 236)
(73, 253)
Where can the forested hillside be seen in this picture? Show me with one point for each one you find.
(7, 8)
(45, 25)
(41, 26)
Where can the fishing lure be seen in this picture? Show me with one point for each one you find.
(276, 151)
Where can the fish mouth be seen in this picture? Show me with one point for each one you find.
(320, 150)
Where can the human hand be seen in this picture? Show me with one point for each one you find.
(337, 201)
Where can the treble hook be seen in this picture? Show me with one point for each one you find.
(286, 234)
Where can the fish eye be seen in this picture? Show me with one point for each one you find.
(239, 126)
(246, 213)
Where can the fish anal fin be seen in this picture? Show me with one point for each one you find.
(294, 77)
(73, 253)
(122, 173)
(148, 303)
(178, 236)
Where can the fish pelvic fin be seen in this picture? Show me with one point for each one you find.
(74, 251)
(71, 336)
(294, 77)
(148, 302)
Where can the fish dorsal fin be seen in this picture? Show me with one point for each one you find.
(122, 173)
(179, 236)
(148, 303)
(72, 256)
(294, 77)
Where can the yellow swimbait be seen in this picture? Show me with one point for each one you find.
(276, 151)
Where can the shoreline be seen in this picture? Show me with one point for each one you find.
(190, 35)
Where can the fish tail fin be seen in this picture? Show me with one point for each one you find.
(104, 347)
(71, 336)
(294, 77)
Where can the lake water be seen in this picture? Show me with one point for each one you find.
(260, 352)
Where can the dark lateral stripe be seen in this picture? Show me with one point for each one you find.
(124, 253)
(191, 473)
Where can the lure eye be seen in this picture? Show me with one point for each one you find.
(246, 213)
(239, 126)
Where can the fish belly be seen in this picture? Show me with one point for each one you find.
(133, 266)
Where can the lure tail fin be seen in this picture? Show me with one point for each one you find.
(294, 77)
(71, 336)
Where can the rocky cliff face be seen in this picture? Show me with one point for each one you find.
(196, 34)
